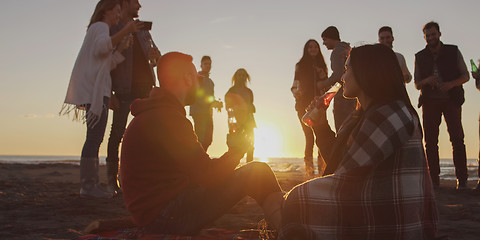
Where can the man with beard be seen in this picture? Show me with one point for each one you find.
(170, 184)
(132, 79)
(385, 37)
(440, 72)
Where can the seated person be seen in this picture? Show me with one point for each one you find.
(170, 185)
(379, 185)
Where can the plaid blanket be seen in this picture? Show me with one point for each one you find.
(380, 190)
(206, 234)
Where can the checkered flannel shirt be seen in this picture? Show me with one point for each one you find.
(380, 190)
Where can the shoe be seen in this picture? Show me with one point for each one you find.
(478, 186)
(112, 178)
(94, 192)
(461, 185)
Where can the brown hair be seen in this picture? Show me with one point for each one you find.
(101, 8)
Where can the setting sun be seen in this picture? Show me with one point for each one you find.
(267, 142)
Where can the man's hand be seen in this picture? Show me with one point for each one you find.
(114, 103)
(431, 81)
(476, 75)
(238, 142)
(446, 86)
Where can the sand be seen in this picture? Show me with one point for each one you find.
(42, 202)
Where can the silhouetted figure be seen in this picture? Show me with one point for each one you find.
(308, 72)
(385, 37)
(439, 73)
(342, 107)
(132, 79)
(239, 102)
(90, 86)
(202, 110)
(379, 187)
(476, 75)
(170, 184)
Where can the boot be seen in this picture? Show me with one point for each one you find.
(272, 208)
(89, 179)
(309, 167)
(321, 165)
(112, 177)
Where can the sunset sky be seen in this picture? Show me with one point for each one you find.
(41, 39)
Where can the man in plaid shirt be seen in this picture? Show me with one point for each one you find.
(380, 187)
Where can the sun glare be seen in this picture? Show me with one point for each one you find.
(267, 143)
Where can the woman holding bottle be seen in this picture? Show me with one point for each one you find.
(380, 186)
(308, 71)
(90, 86)
(240, 108)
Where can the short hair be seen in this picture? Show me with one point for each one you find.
(205, 58)
(332, 33)
(172, 66)
(385, 29)
(431, 25)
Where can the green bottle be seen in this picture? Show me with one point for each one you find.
(474, 67)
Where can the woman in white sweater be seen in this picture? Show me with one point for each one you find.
(90, 86)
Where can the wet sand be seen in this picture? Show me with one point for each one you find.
(42, 202)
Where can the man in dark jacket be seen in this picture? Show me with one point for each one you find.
(170, 185)
(132, 79)
(439, 73)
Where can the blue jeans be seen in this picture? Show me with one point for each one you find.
(119, 123)
(196, 207)
(95, 135)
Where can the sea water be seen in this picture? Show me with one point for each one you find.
(277, 164)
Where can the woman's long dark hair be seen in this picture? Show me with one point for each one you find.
(308, 61)
(378, 74)
(101, 8)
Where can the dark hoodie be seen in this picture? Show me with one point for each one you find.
(161, 157)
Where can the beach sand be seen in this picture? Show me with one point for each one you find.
(42, 202)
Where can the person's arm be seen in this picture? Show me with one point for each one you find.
(337, 60)
(176, 137)
(130, 27)
(420, 83)
(464, 75)
(379, 136)
(406, 73)
(476, 75)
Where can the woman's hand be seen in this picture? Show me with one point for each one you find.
(133, 26)
(126, 42)
(321, 73)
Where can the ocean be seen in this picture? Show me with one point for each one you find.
(277, 164)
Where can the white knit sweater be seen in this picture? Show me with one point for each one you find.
(90, 80)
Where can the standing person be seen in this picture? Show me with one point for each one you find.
(90, 86)
(170, 184)
(439, 73)
(202, 110)
(385, 37)
(308, 71)
(239, 98)
(134, 78)
(342, 107)
(476, 75)
(380, 187)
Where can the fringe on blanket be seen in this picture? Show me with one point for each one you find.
(80, 114)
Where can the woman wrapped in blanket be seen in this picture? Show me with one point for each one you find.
(377, 184)
(90, 86)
